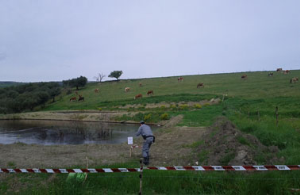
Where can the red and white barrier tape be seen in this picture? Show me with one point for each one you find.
(134, 146)
(104, 170)
(231, 168)
(175, 168)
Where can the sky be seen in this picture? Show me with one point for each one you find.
(55, 40)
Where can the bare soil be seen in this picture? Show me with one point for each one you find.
(224, 144)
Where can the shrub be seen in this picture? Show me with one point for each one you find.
(197, 106)
(164, 116)
(147, 117)
(184, 107)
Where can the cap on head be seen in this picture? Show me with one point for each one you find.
(142, 122)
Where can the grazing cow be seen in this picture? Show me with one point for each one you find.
(140, 84)
(279, 69)
(294, 80)
(127, 89)
(72, 99)
(150, 92)
(180, 79)
(244, 76)
(270, 74)
(138, 96)
(200, 85)
(96, 90)
(80, 98)
(286, 72)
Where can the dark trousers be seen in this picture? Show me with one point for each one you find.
(146, 148)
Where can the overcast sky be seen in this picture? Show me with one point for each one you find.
(55, 40)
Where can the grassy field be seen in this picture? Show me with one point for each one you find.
(257, 86)
(250, 104)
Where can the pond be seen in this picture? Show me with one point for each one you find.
(46, 132)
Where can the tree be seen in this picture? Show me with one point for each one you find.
(116, 74)
(100, 77)
(78, 82)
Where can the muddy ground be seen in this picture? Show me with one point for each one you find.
(220, 144)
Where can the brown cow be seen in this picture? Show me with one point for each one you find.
(72, 99)
(150, 92)
(200, 85)
(244, 76)
(286, 72)
(140, 84)
(279, 69)
(294, 80)
(96, 90)
(180, 79)
(80, 98)
(127, 89)
(138, 96)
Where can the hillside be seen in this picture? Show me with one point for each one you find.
(258, 85)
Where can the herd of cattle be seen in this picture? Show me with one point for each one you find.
(292, 80)
(180, 79)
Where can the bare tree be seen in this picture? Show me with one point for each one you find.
(99, 77)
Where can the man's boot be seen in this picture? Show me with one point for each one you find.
(146, 161)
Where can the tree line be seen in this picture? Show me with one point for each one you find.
(26, 97)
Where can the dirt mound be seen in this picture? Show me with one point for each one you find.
(172, 122)
(226, 145)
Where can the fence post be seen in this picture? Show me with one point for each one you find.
(141, 176)
(276, 113)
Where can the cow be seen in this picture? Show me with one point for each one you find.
(279, 69)
(80, 98)
(150, 92)
(244, 76)
(96, 90)
(294, 80)
(138, 96)
(286, 72)
(127, 89)
(270, 74)
(140, 84)
(72, 99)
(200, 85)
(180, 79)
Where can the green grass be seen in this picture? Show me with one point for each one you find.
(257, 86)
(157, 182)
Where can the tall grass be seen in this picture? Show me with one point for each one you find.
(164, 182)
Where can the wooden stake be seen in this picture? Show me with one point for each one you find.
(141, 176)
(276, 113)
(130, 151)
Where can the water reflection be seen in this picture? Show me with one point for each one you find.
(64, 132)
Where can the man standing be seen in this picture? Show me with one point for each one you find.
(146, 132)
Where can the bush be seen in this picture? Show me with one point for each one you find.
(164, 116)
(147, 117)
(197, 106)
(184, 107)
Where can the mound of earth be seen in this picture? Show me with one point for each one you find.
(226, 145)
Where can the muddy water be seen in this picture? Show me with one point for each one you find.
(64, 132)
